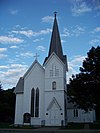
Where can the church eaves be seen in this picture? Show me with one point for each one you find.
(55, 44)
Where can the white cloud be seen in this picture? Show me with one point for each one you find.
(80, 7)
(71, 71)
(17, 66)
(4, 67)
(2, 56)
(14, 12)
(63, 41)
(30, 33)
(43, 32)
(26, 54)
(38, 39)
(14, 47)
(41, 48)
(76, 61)
(3, 50)
(74, 64)
(97, 29)
(14, 60)
(47, 19)
(12, 66)
(78, 30)
(10, 40)
(17, 26)
(66, 33)
(73, 31)
(27, 33)
(12, 74)
(95, 41)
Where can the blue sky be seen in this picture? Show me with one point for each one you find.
(25, 29)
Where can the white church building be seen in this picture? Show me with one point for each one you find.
(41, 94)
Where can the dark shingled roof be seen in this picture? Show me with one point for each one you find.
(55, 44)
(20, 86)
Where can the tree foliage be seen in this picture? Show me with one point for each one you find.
(7, 105)
(84, 88)
(0, 86)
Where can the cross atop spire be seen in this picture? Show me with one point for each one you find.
(55, 13)
(36, 56)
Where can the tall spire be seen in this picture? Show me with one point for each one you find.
(55, 44)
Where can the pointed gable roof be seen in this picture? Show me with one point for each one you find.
(20, 85)
(30, 68)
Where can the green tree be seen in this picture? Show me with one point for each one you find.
(84, 88)
(7, 105)
(0, 86)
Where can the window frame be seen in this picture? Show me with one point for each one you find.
(54, 85)
(32, 102)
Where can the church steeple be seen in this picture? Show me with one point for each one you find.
(55, 44)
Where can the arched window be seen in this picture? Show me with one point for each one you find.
(32, 101)
(37, 103)
(54, 85)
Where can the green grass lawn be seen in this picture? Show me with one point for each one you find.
(10, 125)
(5, 125)
(94, 126)
(74, 126)
(69, 126)
(81, 126)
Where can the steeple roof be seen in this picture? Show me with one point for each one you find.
(55, 44)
